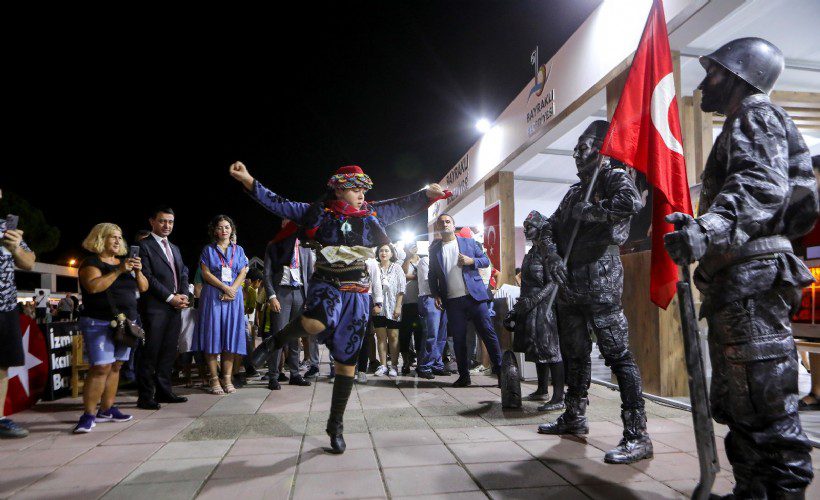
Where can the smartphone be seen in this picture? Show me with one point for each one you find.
(135, 252)
(11, 222)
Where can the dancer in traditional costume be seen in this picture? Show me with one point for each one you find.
(345, 229)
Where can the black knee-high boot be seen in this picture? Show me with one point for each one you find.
(342, 387)
(292, 330)
(540, 394)
(557, 400)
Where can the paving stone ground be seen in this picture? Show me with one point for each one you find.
(405, 438)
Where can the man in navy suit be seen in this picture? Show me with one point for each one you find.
(459, 290)
(161, 312)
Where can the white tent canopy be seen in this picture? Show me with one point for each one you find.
(544, 170)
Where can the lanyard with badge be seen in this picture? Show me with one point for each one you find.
(386, 276)
(227, 273)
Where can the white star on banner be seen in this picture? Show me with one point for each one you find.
(31, 362)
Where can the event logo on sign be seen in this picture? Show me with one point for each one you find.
(544, 107)
(27, 382)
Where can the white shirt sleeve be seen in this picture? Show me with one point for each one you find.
(375, 282)
(422, 275)
(402, 280)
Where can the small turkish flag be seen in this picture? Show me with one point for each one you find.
(28, 381)
(645, 133)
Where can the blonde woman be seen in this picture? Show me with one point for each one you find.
(109, 282)
(386, 322)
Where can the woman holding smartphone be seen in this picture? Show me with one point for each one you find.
(221, 325)
(108, 281)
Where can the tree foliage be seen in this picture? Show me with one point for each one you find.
(39, 235)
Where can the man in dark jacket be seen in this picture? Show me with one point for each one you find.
(759, 192)
(161, 312)
(288, 268)
(590, 300)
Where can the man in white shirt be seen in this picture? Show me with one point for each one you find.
(41, 306)
(457, 287)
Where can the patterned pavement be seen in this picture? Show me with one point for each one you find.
(405, 438)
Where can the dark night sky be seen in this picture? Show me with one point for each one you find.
(111, 118)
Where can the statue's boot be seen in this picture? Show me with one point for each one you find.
(572, 421)
(635, 445)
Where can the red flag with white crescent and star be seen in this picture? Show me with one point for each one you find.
(645, 133)
(28, 381)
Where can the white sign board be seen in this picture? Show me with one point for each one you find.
(608, 36)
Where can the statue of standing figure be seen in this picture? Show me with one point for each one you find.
(589, 302)
(536, 328)
(759, 193)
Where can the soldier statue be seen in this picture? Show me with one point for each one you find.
(759, 193)
(590, 299)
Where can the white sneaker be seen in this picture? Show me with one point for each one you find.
(477, 370)
(392, 372)
(380, 371)
(362, 378)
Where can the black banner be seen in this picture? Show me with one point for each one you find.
(58, 341)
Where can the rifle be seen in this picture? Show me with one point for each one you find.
(701, 413)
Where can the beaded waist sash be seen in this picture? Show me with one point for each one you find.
(352, 277)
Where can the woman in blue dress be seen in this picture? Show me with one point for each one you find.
(347, 228)
(221, 325)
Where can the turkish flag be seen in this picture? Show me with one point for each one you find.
(645, 134)
(28, 381)
(492, 231)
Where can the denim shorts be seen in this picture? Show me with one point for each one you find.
(99, 343)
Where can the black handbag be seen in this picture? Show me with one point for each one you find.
(126, 333)
(510, 376)
(510, 381)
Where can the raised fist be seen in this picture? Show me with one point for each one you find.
(239, 171)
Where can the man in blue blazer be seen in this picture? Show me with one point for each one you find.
(459, 290)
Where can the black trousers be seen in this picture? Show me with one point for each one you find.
(608, 323)
(754, 392)
(364, 352)
(410, 329)
(155, 359)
